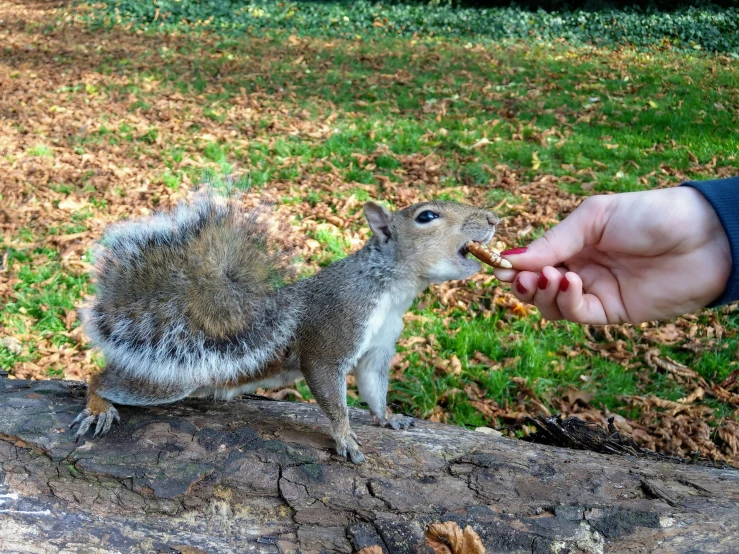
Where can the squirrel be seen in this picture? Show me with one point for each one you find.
(198, 302)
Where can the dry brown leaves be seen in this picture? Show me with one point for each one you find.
(676, 429)
(682, 427)
(448, 538)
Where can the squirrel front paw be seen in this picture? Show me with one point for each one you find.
(394, 421)
(102, 420)
(348, 444)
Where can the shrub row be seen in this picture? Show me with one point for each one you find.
(665, 5)
(709, 29)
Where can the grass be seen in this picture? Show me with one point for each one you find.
(280, 111)
(42, 297)
(620, 120)
(41, 150)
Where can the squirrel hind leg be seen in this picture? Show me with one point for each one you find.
(330, 393)
(99, 411)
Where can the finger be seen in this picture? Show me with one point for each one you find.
(583, 227)
(576, 306)
(524, 287)
(505, 275)
(545, 298)
(509, 275)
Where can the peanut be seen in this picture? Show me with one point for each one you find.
(482, 253)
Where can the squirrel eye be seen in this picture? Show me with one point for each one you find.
(425, 217)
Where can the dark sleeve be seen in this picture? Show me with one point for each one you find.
(723, 195)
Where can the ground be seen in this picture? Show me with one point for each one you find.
(100, 124)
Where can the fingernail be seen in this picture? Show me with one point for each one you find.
(520, 288)
(564, 284)
(543, 282)
(513, 251)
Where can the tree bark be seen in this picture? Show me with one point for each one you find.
(261, 476)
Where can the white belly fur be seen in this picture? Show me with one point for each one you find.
(273, 382)
(385, 324)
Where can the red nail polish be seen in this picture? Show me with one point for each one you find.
(520, 288)
(564, 284)
(513, 251)
(543, 281)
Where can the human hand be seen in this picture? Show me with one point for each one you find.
(625, 258)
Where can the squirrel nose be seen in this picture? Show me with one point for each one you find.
(492, 218)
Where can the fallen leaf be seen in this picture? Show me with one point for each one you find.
(69, 318)
(448, 538)
(535, 161)
(13, 344)
(456, 365)
(489, 431)
(730, 381)
(71, 203)
(653, 359)
(574, 396)
(697, 394)
(729, 434)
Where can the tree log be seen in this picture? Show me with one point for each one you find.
(261, 476)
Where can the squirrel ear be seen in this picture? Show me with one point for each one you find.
(378, 219)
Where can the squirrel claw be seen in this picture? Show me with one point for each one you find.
(85, 419)
(353, 435)
(356, 455)
(83, 414)
(395, 422)
(103, 421)
(349, 445)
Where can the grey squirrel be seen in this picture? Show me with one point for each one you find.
(193, 302)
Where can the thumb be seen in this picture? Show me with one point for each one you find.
(583, 227)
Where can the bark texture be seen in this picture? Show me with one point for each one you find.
(261, 476)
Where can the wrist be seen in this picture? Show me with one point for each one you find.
(718, 202)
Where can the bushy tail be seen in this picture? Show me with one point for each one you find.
(184, 293)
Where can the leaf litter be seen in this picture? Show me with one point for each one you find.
(57, 197)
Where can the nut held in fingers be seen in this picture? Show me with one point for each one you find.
(482, 253)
